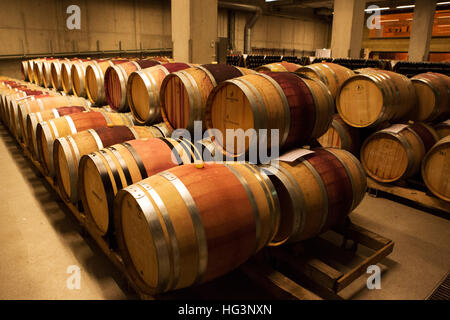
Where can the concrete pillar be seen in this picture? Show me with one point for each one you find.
(422, 27)
(348, 24)
(194, 30)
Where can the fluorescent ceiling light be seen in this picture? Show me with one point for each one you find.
(444, 17)
(377, 9)
(407, 6)
(393, 20)
(442, 3)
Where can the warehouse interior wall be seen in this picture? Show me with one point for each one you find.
(39, 27)
(438, 44)
(303, 34)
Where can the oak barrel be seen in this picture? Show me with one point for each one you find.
(78, 73)
(299, 107)
(331, 74)
(56, 73)
(180, 227)
(433, 96)
(34, 118)
(443, 129)
(24, 69)
(317, 191)
(376, 96)
(66, 73)
(16, 124)
(95, 79)
(40, 104)
(184, 93)
(143, 90)
(116, 78)
(396, 152)
(282, 66)
(48, 131)
(341, 136)
(102, 174)
(436, 169)
(67, 151)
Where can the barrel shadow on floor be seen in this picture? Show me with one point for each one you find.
(65, 224)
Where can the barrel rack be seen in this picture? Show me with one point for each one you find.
(296, 272)
(414, 191)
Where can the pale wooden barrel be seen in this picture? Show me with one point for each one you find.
(55, 73)
(143, 89)
(436, 169)
(95, 80)
(340, 135)
(24, 69)
(282, 66)
(48, 131)
(47, 72)
(184, 93)
(116, 78)
(45, 103)
(34, 118)
(180, 227)
(317, 191)
(15, 108)
(433, 96)
(67, 151)
(396, 152)
(66, 74)
(376, 96)
(443, 129)
(102, 174)
(299, 107)
(331, 74)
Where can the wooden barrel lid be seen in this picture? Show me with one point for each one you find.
(360, 101)
(385, 156)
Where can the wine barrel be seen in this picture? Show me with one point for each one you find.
(66, 74)
(95, 80)
(48, 131)
(180, 227)
(299, 107)
(317, 191)
(56, 72)
(143, 91)
(282, 66)
(341, 136)
(32, 120)
(39, 70)
(40, 104)
(102, 174)
(47, 72)
(368, 99)
(24, 69)
(67, 151)
(5, 92)
(184, 93)
(396, 152)
(16, 124)
(30, 71)
(331, 74)
(443, 129)
(78, 73)
(436, 169)
(116, 78)
(433, 96)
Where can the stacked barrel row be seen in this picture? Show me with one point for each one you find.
(173, 223)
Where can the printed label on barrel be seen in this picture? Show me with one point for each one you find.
(396, 128)
(294, 155)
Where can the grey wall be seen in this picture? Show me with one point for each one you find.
(39, 27)
(301, 33)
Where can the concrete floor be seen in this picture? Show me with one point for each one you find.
(39, 241)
